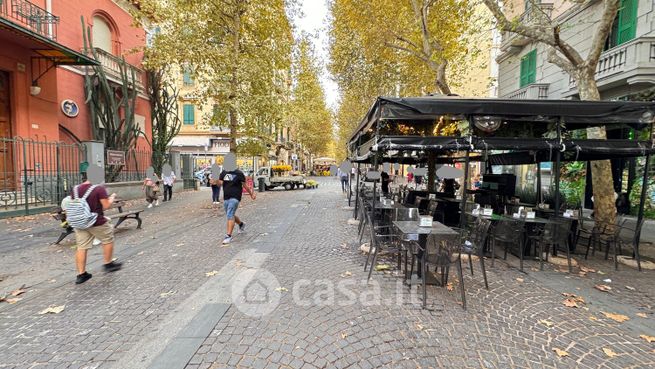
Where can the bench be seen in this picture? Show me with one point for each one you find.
(60, 215)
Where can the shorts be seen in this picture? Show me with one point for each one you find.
(231, 206)
(85, 237)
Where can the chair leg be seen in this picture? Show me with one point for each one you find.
(470, 263)
(461, 282)
(368, 257)
(541, 255)
(616, 259)
(586, 254)
(411, 271)
(568, 257)
(406, 256)
(493, 252)
(484, 272)
(636, 249)
(372, 266)
(505, 252)
(423, 278)
(607, 250)
(521, 255)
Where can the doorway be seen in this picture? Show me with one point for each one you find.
(7, 174)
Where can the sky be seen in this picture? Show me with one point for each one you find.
(313, 20)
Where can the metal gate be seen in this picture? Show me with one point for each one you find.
(36, 175)
(188, 171)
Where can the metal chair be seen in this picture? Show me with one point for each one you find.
(631, 239)
(473, 241)
(555, 235)
(387, 241)
(448, 252)
(508, 232)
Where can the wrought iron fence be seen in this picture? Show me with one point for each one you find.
(36, 174)
(31, 16)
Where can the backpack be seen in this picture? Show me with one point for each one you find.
(78, 213)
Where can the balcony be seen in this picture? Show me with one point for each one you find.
(530, 92)
(112, 66)
(30, 16)
(511, 42)
(631, 62)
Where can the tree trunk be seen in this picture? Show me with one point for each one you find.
(234, 84)
(601, 171)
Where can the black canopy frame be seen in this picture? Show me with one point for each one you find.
(369, 145)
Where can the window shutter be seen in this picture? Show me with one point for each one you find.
(627, 20)
(189, 114)
(523, 78)
(532, 67)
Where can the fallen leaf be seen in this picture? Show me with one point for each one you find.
(582, 274)
(344, 335)
(607, 280)
(449, 286)
(603, 287)
(19, 291)
(593, 318)
(630, 288)
(418, 326)
(642, 315)
(616, 317)
(346, 274)
(570, 303)
(281, 289)
(566, 294)
(560, 353)
(166, 294)
(212, 273)
(547, 323)
(609, 352)
(14, 300)
(599, 272)
(520, 280)
(649, 339)
(587, 270)
(380, 267)
(52, 309)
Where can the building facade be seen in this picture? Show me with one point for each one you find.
(626, 66)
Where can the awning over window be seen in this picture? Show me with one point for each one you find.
(199, 141)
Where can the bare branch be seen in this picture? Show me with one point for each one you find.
(413, 52)
(564, 64)
(603, 30)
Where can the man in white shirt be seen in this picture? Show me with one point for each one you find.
(169, 180)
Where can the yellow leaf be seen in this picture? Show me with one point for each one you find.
(344, 335)
(14, 300)
(616, 317)
(609, 352)
(346, 274)
(380, 267)
(642, 315)
(19, 291)
(52, 309)
(520, 280)
(570, 303)
(546, 323)
(281, 289)
(560, 353)
(603, 287)
(212, 273)
(587, 270)
(593, 318)
(449, 286)
(649, 339)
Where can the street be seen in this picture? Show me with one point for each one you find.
(291, 292)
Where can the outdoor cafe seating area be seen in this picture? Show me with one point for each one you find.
(426, 230)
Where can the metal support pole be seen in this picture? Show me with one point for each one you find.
(357, 191)
(462, 216)
(557, 164)
(640, 215)
(539, 199)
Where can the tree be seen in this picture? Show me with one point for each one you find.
(547, 30)
(310, 118)
(111, 105)
(166, 123)
(237, 48)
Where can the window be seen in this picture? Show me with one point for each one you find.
(624, 27)
(528, 68)
(189, 114)
(102, 34)
(186, 78)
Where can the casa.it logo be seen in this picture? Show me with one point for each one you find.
(256, 293)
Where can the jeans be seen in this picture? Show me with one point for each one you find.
(231, 206)
(216, 193)
(344, 184)
(168, 192)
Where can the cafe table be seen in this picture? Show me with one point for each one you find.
(412, 227)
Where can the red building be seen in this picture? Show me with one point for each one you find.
(42, 67)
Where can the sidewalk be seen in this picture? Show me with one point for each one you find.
(292, 293)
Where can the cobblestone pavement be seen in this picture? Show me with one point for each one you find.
(300, 250)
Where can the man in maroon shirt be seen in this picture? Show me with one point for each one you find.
(102, 229)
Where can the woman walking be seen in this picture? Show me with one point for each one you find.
(151, 187)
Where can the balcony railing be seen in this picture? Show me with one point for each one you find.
(530, 92)
(636, 53)
(112, 66)
(30, 16)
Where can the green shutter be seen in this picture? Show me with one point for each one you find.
(627, 21)
(189, 117)
(187, 77)
(528, 72)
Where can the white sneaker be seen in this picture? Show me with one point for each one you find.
(157, 203)
(227, 240)
(150, 206)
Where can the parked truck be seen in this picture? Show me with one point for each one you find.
(268, 179)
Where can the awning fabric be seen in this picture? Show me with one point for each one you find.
(190, 141)
(572, 112)
(43, 46)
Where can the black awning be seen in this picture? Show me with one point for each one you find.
(583, 113)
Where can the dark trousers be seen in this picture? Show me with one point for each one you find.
(216, 193)
(168, 192)
(344, 184)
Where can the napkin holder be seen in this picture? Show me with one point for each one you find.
(387, 202)
(432, 196)
(425, 221)
(488, 212)
(530, 215)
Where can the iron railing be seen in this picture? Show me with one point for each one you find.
(31, 16)
(36, 174)
(112, 65)
(137, 162)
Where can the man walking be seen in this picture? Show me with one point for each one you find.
(233, 183)
(169, 179)
(344, 181)
(85, 213)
